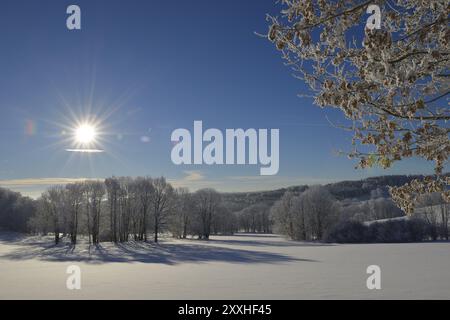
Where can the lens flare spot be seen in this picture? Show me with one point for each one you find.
(30, 127)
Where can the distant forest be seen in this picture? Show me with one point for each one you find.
(122, 209)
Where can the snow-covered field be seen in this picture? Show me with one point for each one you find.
(226, 267)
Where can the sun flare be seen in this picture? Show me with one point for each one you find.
(85, 134)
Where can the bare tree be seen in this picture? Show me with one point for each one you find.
(382, 208)
(445, 215)
(19, 213)
(299, 211)
(162, 202)
(307, 216)
(183, 210)
(127, 207)
(282, 213)
(94, 193)
(52, 204)
(74, 199)
(207, 201)
(113, 189)
(322, 210)
(145, 193)
(431, 212)
(255, 218)
(224, 221)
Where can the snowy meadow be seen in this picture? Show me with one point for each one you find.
(243, 266)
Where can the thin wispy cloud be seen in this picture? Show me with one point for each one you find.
(85, 150)
(194, 175)
(196, 179)
(33, 187)
(281, 179)
(34, 182)
(193, 179)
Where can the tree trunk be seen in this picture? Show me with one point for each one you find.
(111, 223)
(156, 228)
(184, 230)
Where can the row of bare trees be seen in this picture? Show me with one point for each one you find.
(315, 215)
(305, 216)
(123, 209)
(15, 211)
(436, 213)
(256, 218)
(119, 208)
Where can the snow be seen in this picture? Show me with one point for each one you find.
(244, 266)
(368, 223)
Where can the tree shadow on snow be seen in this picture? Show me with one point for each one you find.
(11, 236)
(131, 252)
(269, 243)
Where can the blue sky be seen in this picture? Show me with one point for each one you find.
(145, 68)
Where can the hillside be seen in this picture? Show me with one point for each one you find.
(359, 190)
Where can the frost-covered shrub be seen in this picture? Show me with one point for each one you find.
(412, 230)
(400, 231)
(348, 232)
(418, 229)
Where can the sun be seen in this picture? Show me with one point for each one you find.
(85, 134)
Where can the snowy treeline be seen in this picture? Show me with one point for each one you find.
(378, 206)
(120, 209)
(255, 218)
(306, 216)
(315, 214)
(436, 213)
(15, 210)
